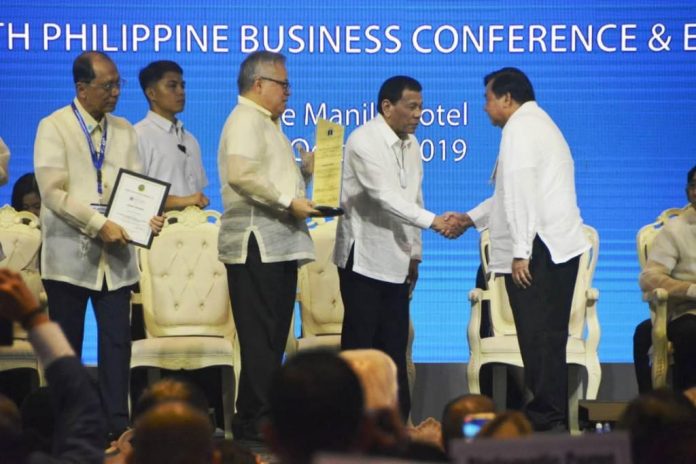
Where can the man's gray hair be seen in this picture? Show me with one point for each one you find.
(249, 69)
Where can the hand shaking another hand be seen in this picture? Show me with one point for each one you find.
(451, 224)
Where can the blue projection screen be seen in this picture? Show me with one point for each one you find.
(618, 78)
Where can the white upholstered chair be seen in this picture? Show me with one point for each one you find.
(319, 294)
(21, 242)
(186, 305)
(502, 348)
(661, 351)
(319, 298)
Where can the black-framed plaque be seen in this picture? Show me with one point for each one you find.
(136, 198)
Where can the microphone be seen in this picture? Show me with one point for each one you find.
(181, 147)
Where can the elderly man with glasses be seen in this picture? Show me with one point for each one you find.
(78, 152)
(263, 235)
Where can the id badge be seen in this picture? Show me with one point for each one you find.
(99, 208)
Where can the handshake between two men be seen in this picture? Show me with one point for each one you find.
(451, 224)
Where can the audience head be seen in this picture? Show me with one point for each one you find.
(232, 452)
(377, 374)
(173, 432)
(170, 389)
(25, 194)
(11, 442)
(316, 404)
(510, 424)
(38, 421)
(650, 415)
(456, 410)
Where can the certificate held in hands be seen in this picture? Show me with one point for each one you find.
(328, 167)
(135, 200)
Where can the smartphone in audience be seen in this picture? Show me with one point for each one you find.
(472, 423)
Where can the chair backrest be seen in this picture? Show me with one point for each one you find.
(646, 235)
(502, 320)
(21, 242)
(321, 306)
(183, 284)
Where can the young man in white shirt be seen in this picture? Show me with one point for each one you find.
(378, 241)
(168, 151)
(536, 237)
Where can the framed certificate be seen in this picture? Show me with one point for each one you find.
(328, 167)
(135, 200)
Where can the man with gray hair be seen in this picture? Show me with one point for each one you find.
(263, 235)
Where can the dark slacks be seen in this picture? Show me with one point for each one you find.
(542, 314)
(67, 306)
(682, 333)
(642, 341)
(263, 299)
(377, 316)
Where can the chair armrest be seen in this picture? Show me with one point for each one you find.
(660, 361)
(594, 331)
(476, 296)
(136, 298)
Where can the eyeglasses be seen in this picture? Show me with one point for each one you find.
(108, 86)
(284, 84)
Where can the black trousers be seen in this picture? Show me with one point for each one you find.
(682, 333)
(642, 341)
(542, 315)
(263, 299)
(377, 316)
(67, 306)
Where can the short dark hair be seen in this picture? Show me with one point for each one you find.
(690, 175)
(512, 81)
(457, 409)
(82, 70)
(249, 69)
(170, 389)
(316, 403)
(154, 71)
(393, 89)
(25, 184)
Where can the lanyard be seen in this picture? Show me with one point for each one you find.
(97, 156)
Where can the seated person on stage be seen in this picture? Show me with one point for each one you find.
(672, 265)
(25, 194)
(79, 426)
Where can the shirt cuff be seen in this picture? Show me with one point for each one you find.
(425, 219)
(49, 343)
(522, 251)
(475, 215)
(285, 200)
(691, 292)
(96, 222)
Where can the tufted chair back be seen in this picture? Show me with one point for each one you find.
(183, 284)
(321, 306)
(21, 242)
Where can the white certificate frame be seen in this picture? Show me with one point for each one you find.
(135, 199)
